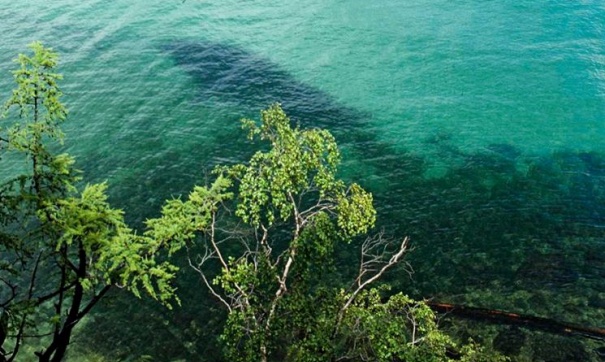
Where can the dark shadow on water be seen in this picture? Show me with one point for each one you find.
(237, 84)
(497, 229)
(502, 224)
(504, 231)
(229, 76)
(225, 77)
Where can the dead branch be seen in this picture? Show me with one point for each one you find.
(198, 269)
(375, 260)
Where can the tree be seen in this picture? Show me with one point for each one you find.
(61, 248)
(262, 238)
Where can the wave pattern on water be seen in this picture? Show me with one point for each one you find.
(477, 125)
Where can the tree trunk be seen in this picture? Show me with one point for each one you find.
(533, 322)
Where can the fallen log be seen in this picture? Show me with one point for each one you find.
(528, 321)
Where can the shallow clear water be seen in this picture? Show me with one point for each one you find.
(479, 125)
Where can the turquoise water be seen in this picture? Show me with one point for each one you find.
(478, 125)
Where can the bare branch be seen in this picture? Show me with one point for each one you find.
(49, 296)
(198, 269)
(212, 250)
(94, 300)
(292, 254)
(264, 240)
(373, 262)
(13, 289)
(320, 206)
(214, 245)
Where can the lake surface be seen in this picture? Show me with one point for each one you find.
(478, 125)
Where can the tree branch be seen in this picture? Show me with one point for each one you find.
(49, 296)
(367, 266)
(13, 289)
(92, 303)
(30, 292)
(198, 269)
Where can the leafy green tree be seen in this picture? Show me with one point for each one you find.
(61, 248)
(262, 237)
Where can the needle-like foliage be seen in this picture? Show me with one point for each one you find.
(61, 248)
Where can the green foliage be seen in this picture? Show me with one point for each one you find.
(299, 162)
(271, 262)
(375, 328)
(62, 249)
(38, 93)
(116, 254)
(290, 189)
(399, 328)
(181, 219)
